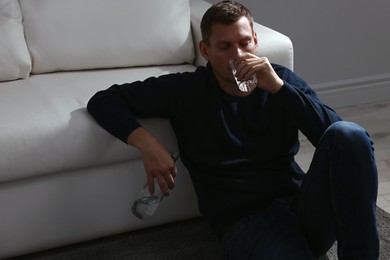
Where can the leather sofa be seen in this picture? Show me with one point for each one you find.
(63, 179)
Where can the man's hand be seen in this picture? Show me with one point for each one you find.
(158, 163)
(249, 64)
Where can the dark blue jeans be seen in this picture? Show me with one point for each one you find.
(337, 201)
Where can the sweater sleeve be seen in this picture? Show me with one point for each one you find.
(303, 106)
(112, 113)
(116, 108)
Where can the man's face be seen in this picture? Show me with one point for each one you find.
(227, 41)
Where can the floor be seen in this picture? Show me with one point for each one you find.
(375, 118)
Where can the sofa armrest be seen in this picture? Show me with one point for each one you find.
(275, 46)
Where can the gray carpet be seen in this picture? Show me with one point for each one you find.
(189, 239)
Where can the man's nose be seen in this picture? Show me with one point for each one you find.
(237, 51)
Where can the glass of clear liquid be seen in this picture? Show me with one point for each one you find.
(146, 204)
(246, 85)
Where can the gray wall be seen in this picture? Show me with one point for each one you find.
(342, 48)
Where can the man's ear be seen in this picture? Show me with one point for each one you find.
(256, 40)
(204, 50)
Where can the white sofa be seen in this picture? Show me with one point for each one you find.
(62, 178)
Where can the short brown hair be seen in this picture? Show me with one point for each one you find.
(225, 12)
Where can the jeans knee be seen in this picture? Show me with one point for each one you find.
(347, 136)
(344, 132)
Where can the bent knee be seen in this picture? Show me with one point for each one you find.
(348, 133)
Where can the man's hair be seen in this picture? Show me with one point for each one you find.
(225, 12)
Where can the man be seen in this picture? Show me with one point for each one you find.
(239, 148)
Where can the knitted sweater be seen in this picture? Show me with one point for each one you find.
(239, 150)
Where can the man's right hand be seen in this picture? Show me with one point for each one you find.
(158, 163)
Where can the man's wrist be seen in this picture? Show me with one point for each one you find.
(277, 86)
(138, 137)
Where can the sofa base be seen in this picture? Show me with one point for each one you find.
(70, 207)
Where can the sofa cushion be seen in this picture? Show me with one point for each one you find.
(14, 58)
(76, 35)
(45, 127)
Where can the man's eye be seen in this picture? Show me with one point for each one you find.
(223, 47)
(246, 43)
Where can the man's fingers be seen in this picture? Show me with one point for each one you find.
(174, 172)
(151, 185)
(163, 183)
(248, 67)
(164, 175)
(168, 181)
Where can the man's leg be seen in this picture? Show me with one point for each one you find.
(272, 234)
(338, 195)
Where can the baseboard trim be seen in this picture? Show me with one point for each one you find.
(354, 91)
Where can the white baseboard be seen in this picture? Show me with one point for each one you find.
(355, 91)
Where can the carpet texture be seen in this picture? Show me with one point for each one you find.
(189, 239)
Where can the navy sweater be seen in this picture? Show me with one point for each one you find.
(239, 150)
